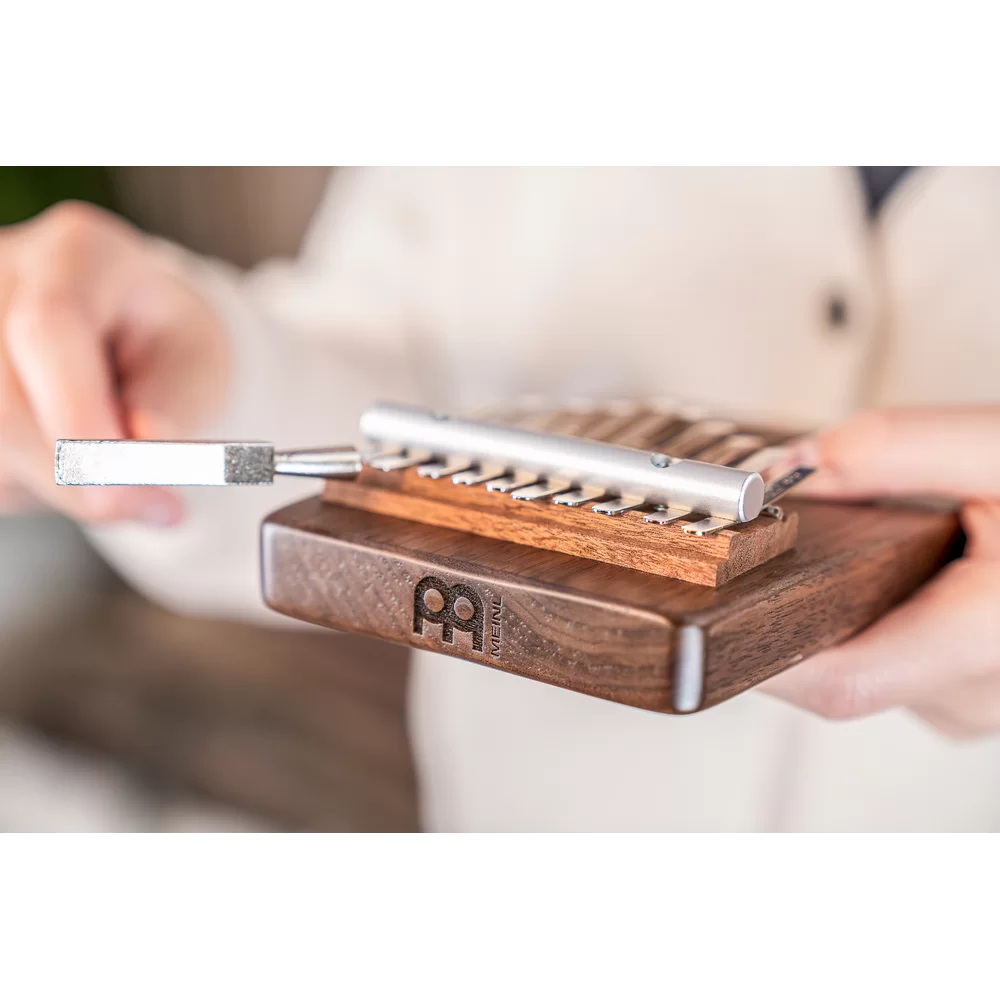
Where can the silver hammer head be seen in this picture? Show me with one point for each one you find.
(194, 463)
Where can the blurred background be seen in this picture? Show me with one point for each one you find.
(117, 715)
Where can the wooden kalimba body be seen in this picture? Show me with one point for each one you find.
(471, 541)
(632, 553)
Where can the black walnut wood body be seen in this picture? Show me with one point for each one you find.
(609, 631)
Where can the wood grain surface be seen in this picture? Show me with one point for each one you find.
(624, 540)
(601, 629)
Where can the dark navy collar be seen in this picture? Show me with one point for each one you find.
(879, 183)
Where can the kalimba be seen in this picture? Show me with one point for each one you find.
(630, 552)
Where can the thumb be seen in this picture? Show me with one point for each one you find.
(947, 452)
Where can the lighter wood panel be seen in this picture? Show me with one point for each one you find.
(625, 540)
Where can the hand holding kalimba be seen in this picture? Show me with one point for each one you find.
(939, 652)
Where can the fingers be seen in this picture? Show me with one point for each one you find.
(970, 710)
(981, 521)
(948, 452)
(28, 462)
(62, 285)
(945, 637)
(62, 311)
(939, 653)
(16, 499)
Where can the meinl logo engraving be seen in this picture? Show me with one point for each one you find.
(495, 624)
(452, 607)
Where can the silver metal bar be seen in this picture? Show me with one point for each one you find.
(773, 490)
(194, 463)
(698, 486)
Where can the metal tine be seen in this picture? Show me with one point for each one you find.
(482, 473)
(451, 465)
(531, 403)
(619, 505)
(779, 487)
(696, 437)
(616, 420)
(578, 497)
(666, 516)
(515, 481)
(537, 421)
(672, 405)
(384, 451)
(547, 489)
(498, 413)
(612, 416)
(609, 426)
(731, 449)
(396, 461)
(574, 421)
(528, 412)
(645, 430)
(707, 526)
(628, 406)
(764, 459)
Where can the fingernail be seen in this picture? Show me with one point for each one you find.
(160, 515)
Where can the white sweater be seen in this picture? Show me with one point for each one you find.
(454, 288)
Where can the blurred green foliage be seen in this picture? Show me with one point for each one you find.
(26, 191)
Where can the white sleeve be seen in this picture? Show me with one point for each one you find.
(314, 342)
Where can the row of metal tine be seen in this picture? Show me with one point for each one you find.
(716, 440)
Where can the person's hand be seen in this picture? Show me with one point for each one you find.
(939, 653)
(100, 337)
